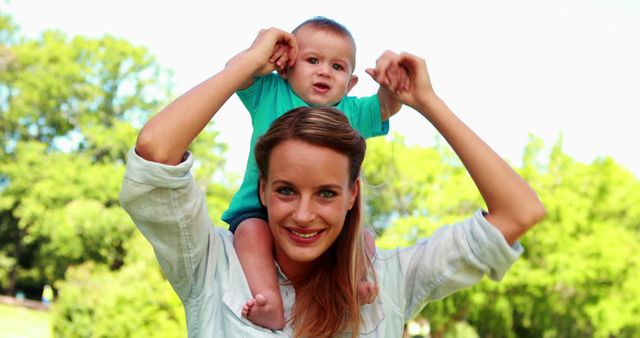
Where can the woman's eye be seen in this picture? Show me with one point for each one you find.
(312, 61)
(327, 194)
(285, 191)
(337, 67)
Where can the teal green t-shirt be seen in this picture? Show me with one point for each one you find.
(268, 98)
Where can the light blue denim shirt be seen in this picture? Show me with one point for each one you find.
(201, 264)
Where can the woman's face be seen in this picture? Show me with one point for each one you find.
(307, 193)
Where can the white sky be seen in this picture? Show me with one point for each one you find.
(507, 68)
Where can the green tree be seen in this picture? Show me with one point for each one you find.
(71, 108)
(403, 181)
(66, 125)
(135, 301)
(583, 260)
(65, 211)
(579, 273)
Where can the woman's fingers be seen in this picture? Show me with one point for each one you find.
(292, 51)
(280, 46)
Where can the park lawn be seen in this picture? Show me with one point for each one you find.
(16, 321)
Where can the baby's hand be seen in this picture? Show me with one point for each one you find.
(388, 72)
(280, 57)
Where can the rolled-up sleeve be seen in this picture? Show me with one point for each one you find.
(454, 257)
(170, 210)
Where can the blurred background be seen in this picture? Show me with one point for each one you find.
(551, 85)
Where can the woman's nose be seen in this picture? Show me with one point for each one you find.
(304, 213)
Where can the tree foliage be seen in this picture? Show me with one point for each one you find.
(70, 109)
(579, 274)
(135, 301)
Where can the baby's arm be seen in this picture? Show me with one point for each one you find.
(389, 105)
(390, 78)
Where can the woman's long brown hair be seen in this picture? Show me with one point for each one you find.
(327, 297)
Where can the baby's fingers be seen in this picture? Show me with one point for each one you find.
(275, 54)
(377, 76)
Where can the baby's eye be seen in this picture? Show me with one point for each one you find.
(337, 66)
(327, 194)
(312, 61)
(286, 191)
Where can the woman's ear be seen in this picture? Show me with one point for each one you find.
(263, 198)
(354, 193)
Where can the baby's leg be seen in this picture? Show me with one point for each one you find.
(253, 243)
(367, 291)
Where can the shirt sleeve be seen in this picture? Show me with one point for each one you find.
(253, 96)
(170, 210)
(454, 257)
(364, 115)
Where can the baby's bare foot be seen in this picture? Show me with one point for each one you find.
(263, 310)
(367, 292)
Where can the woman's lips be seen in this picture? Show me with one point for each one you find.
(304, 237)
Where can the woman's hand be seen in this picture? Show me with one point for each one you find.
(406, 76)
(273, 49)
(388, 73)
(415, 89)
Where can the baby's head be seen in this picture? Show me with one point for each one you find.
(323, 72)
(332, 27)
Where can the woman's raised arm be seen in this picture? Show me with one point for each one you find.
(165, 138)
(513, 207)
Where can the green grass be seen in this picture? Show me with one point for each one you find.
(19, 322)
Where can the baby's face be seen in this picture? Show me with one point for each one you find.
(321, 75)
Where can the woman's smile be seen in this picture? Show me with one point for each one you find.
(304, 237)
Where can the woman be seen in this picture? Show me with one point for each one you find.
(309, 162)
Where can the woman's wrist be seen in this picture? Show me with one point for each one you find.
(428, 104)
(245, 69)
(257, 64)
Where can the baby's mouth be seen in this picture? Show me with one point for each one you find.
(321, 87)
